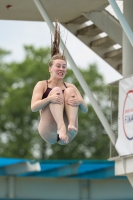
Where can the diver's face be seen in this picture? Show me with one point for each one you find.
(58, 69)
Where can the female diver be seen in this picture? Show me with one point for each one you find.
(57, 101)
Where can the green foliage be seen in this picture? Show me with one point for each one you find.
(18, 125)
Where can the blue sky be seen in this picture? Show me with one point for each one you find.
(15, 34)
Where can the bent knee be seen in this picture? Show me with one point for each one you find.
(57, 90)
(69, 92)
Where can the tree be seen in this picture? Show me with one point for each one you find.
(18, 125)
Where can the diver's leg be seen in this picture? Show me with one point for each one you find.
(57, 113)
(47, 127)
(71, 111)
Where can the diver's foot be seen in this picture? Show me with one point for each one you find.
(62, 134)
(72, 129)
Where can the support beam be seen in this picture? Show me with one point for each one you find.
(115, 54)
(90, 31)
(124, 167)
(107, 23)
(89, 35)
(79, 76)
(127, 47)
(119, 68)
(105, 42)
(79, 20)
(122, 20)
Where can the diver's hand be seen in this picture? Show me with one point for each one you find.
(56, 98)
(73, 101)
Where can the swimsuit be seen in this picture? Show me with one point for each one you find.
(46, 93)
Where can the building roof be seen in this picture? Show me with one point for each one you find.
(62, 10)
(85, 169)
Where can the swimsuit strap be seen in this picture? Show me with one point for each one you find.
(64, 84)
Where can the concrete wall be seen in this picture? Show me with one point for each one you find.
(65, 189)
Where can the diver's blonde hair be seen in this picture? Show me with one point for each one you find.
(55, 52)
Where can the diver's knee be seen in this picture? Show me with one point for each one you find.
(69, 92)
(56, 90)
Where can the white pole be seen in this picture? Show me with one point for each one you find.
(122, 20)
(79, 76)
(127, 50)
(11, 188)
